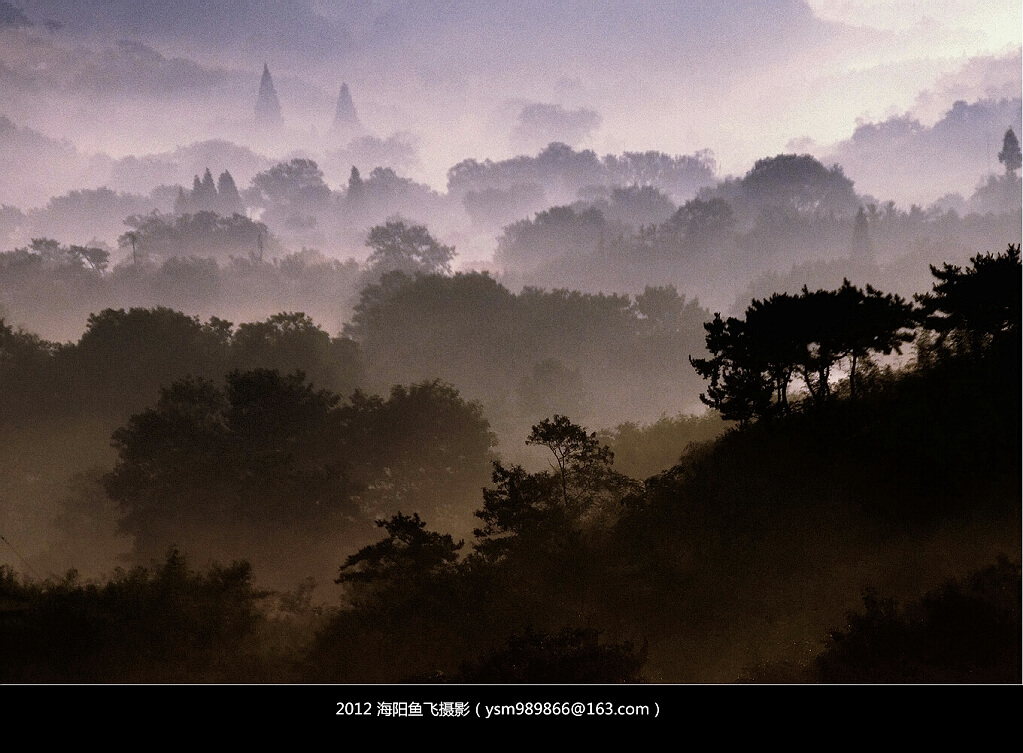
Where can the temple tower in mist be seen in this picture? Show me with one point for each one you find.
(346, 120)
(268, 107)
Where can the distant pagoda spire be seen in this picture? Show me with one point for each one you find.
(345, 117)
(268, 107)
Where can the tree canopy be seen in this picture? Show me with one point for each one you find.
(581, 493)
(398, 247)
(265, 456)
(259, 452)
(799, 182)
(753, 360)
(202, 234)
(976, 307)
(408, 554)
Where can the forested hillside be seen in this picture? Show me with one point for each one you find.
(779, 551)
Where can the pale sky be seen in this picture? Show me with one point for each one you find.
(743, 78)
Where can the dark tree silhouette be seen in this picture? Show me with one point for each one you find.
(47, 254)
(965, 631)
(356, 187)
(862, 247)
(293, 186)
(700, 222)
(130, 238)
(291, 340)
(800, 183)
(204, 234)
(423, 446)
(412, 250)
(754, 359)
(575, 452)
(520, 511)
(738, 388)
(872, 322)
(554, 232)
(257, 455)
(162, 624)
(268, 107)
(409, 554)
(1011, 156)
(544, 510)
(26, 373)
(976, 307)
(124, 357)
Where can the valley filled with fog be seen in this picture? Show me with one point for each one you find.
(496, 340)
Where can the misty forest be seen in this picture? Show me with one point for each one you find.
(510, 342)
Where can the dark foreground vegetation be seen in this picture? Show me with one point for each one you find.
(859, 529)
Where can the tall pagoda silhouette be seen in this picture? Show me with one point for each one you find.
(268, 107)
(346, 120)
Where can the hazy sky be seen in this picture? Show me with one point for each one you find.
(743, 78)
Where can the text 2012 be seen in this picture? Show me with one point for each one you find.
(354, 708)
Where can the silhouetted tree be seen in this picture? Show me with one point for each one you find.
(355, 186)
(978, 306)
(291, 340)
(27, 383)
(574, 451)
(423, 446)
(800, 183)
(638, 206)
(862, 248)
(50, 256)
(204, 234)
(268, 107)
(412, 250)
(701, 223)
(521, 510)
(96, 258)
(207, 190)
(165, 623)
(130, 238)
(558, 231)
(294, 183)
(563, 171)
(257, 455)
(1010, 156)
(407, 558)
(753, 360)
(965, 631)
(738, 389)
(871, 322)
(190, 280)
(551, 509)
(229, 200)
(293, 193)
(123, 357)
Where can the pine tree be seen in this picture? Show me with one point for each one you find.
(355, 186)
(862, 248)
(229, 198)
(1010, 156)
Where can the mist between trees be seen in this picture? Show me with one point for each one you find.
(570, 468)
(266, 444)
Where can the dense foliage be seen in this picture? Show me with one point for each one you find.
(751, 550)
